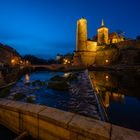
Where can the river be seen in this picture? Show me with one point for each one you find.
(120, 95)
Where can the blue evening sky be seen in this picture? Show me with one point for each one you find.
(47, 27)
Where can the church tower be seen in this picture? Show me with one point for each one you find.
(81, 34)
(102, 34)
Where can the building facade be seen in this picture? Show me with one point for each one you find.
(102, 34)
(86, 49)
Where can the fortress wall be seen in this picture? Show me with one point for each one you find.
(92, 46)
(102, 57)
(134, 57)
(86, 57)
(112, 56)
(128, 43)
(106, 57)
(46, 123)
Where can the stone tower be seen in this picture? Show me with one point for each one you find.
(85, 49)
(102, 34)
(81, 34)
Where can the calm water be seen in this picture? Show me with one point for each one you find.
(6, 134)
(120, 94)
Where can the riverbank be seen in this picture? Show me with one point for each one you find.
(115, 68)
(57, 68)
(9, 76)
(69, 68)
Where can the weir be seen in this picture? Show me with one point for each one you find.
(83, 99)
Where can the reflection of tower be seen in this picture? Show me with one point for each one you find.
(103, 34)
(106, 100)
(118, 97)
(81, 36)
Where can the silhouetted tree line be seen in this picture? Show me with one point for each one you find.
(38, 61)
(138, 37)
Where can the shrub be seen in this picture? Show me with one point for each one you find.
(58, 78)
(19, 96)
(30, 99)
(63, 85)
(5, 92)
(125, 48)
(72, 77)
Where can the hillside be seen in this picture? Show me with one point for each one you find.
(7, 53)
(38, 61)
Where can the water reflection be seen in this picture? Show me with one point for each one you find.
(27, 78)
(116, 97)
(115, 86)
(120, 96)
(106, 85)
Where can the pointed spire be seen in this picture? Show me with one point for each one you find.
(103, 24)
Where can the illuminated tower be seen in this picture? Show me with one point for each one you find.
(102, 34)
(81, 35)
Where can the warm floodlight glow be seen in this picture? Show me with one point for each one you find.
(106, 60)
(66, 61)
(27, 62)
(106, 76)
(13, 61)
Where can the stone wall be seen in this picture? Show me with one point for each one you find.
(46, 123)
(106, 57)
(103, 55)
(129, 57)
(91, 46)
(129, 43)
(85, 58)
(100, 57)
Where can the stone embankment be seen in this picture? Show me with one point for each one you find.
(83, 98)
(46, 123)
(119, 67)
